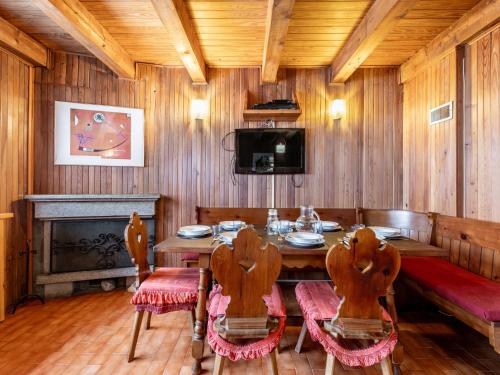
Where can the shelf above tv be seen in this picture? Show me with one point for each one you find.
(286, 115)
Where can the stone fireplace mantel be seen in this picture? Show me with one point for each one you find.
(69, 215)
(57, 207)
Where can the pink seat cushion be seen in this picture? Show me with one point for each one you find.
(217, 306)
(318, 301)
(190, 256)
(168, 289)
(474, 293)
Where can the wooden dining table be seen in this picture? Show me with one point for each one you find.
(292, 257)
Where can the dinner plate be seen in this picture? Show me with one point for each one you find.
(378, 235)
(232, 224)
(385, 231)
(305, 238)
(195, 229)
(330, 226)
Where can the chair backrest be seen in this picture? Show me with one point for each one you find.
(361, 274)
(258, 216)
(473, 244)
(415, 225)
(136, 240)
(246, 272)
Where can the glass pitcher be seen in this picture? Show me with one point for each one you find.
(308, 221)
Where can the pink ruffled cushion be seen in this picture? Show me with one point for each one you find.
(217, 306)
(318, 301)
(168, 289)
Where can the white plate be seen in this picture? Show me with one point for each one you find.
(305, 238)
(194, 229)
(232, 224)
(228, 237)
(386, 231)
(379, 236)
(330, 225)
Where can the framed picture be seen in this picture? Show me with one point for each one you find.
(87, 134)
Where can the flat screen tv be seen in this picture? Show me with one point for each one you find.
(270, 151)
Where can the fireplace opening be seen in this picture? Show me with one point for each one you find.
(87, 245)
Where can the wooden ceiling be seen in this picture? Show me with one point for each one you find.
(233, 33)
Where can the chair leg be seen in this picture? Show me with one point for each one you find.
(148, 320)
(397, 358)
(219, 364)
(301, 339)
(386, 366)
(192, 318)
(330, 364)
(135, 334)
(274, 363)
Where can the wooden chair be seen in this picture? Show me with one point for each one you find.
(345, 318)
(246, 309)
(418, 226)
(164, 290)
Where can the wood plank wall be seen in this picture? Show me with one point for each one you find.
(429, 151)
(482, 128)
(14, 95)
(185, 161)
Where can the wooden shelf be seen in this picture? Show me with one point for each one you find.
(287, 115)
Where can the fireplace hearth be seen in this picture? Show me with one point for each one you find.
(79, 238)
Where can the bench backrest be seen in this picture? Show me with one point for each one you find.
(258, 216)
(473, 244)
(415, 225)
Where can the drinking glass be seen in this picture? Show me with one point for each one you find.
(283, 227)
(216, 230)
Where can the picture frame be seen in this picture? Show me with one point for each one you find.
(101, 135)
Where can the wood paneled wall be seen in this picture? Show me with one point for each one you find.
(482, 128)
(429, 151)
(185, 161)
(14, 95)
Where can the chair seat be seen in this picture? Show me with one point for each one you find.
(318, 301)
(472, 292)
(190, 257)
(217, 305)
(168, 289)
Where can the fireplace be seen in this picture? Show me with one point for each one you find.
(79, 238)
(87, 245)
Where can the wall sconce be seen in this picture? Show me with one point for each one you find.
(199, 109)
(337, 108)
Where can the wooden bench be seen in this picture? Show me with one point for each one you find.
(258, 216)
(468, 285)
(418, 226)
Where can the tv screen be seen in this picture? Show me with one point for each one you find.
(270, 151)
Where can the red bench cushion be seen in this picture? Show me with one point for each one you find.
(476, 294)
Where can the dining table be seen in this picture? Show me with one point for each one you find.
(292, 258)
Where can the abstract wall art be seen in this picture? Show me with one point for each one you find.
(87, 134)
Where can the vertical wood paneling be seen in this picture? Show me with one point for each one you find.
(430, 150)
(185, 161)
(482, 128)
(14, 105)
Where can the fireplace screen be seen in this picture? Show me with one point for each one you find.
(86, 245)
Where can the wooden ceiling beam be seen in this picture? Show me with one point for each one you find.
(278, 17)
(175, 18)
(480, 17)
(379, 20)
(20, 43)
(76, 20)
